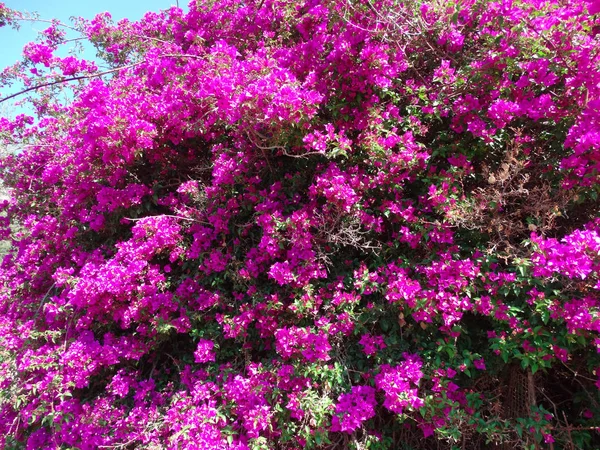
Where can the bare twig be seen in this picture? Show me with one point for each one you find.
(136, 219)
(66, 80)
(44, 300)
(94, 75)
(278, 147)
(53, 22)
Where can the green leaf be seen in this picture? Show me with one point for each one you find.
(519, 430)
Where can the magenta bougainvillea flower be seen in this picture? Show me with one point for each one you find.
(204, 352)
(353, 409)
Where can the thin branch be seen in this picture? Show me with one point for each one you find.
(53, 22)
(136, 219)
(43, 302)
(577, 374)
(82, 38)
(66, 80)
(278, 147)
(95, 75)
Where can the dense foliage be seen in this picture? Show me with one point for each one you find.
(281, 224)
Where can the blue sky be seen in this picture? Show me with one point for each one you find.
(12, 42)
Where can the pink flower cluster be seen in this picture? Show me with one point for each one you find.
(371, 344)
(295, 340)
(275, 224)
(400, 384)
(353, 409)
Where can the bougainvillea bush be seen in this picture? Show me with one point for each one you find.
(284, 224)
